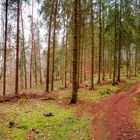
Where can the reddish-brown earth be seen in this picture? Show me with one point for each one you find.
(113, 121)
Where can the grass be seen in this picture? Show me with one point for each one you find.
(136, 110)
(99, 93)
(28, 115)
(137, 118)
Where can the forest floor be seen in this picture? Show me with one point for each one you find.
(107, 113)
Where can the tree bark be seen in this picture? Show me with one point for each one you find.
(48, 51)
(75, 43)
(100, 41)
(115, 45)
(54, 46)
(85, 56)
(79, 41)
(39, 48)
(5, 48)
(32, 44)
(23, 44)
(120, 44)
(66, 58)
(103, 42)
(92, 47)
(17, 49)
(136, 54)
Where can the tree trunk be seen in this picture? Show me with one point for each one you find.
(81, 64)
(110, 65)
(79, 41)
(120, 40)
(23, 44)
(127, 62)
(35, 49)
(31, 55)
(136, 61)
(48, 51)
(100, 41)
(75, 43)
(5, 48)
(85, 56)
(54, 41)
(115, 45)
(66, 57)
(92, 47)
(103, 44)
(39, 48)
(17, 49)
(32, 44)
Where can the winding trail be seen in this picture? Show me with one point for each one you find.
(113, 121)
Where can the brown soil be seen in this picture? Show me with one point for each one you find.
(41, 95)
(113, 121)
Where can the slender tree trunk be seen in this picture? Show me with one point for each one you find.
(81, 69)
(31, 56)
(21, 59)
(136, 47)
(130, 64)
(32, 43)
(66, 57)
(100, 41)
(35, 64)
(127, 63)
(92, 48)
(23, 44)
(136, 61)
(120, 40)
(48, 51)
(54, 46)
(79, 41)
(17, 49)
(5, 48)
(63, 57)
(39, 48)
(110, 65)
(115, 46)
(82, 47)
(70, 75)
(75, 43)
(85, 57)
(103, 44)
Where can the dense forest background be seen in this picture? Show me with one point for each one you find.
(67, 41)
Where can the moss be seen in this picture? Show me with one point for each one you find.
(23, 126)
(63, 125)
(136, 113)
(99, 93)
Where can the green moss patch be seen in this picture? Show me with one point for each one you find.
(32, 124)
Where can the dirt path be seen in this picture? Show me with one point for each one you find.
(112, 118)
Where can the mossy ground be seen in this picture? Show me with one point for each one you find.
(135, 109)
(137, 117)
(31, 124)
(28, 116)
